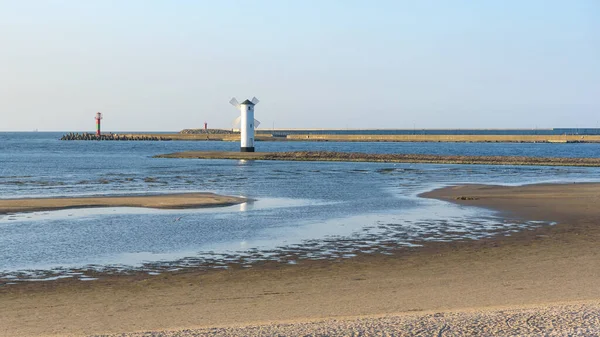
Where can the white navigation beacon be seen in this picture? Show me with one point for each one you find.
(247, 123)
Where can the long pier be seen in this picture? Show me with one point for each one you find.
(494, 131)
(449, 138)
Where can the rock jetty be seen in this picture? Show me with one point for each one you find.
(206, 132)
(110, 136)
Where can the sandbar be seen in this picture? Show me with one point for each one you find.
(163, 201)
(564, 203)
(385, 158)
(523, 284)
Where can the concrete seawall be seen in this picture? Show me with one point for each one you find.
(451, 138)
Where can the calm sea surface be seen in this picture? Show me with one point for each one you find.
(301, 210)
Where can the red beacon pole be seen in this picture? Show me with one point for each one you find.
(98, 118)
(205, 126)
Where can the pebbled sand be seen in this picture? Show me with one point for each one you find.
(554, 320)
(546, 278)
(164, 201)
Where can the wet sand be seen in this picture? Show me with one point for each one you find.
(564, 203)
(164, 201)
(385, 158)
(524, 284)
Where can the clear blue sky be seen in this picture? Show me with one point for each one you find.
(169, 65)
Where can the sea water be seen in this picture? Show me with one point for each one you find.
(297, 210)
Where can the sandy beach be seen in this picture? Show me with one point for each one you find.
(573, 319)
(164, 201)
(543, 280)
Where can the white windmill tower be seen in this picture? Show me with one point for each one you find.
(247, 123)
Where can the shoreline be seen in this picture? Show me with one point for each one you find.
(539, 267)
(385, 158)
(160, 201)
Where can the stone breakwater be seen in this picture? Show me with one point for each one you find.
(265, 135)
(111, 136)
(206, 132)
(159, 136)
(387, 158)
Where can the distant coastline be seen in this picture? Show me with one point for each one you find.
(363, 135)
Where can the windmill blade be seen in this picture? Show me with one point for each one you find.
(256, 123)
(254, 100)
(236, 121)
(234, 102)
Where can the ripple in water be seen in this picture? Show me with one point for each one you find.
(333, 240)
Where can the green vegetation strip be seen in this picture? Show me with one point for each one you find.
(386, 158)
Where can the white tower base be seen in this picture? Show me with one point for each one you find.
(247, 123)
(247, 127)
